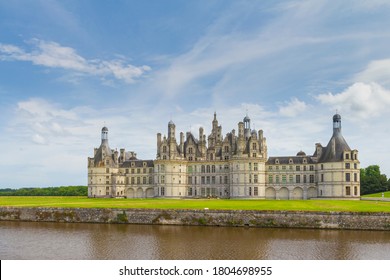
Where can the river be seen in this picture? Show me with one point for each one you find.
(57, 241)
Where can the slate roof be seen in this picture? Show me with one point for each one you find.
(295, 160)
(137, 163)
(336, 147)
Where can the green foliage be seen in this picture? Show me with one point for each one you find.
(372, 181)
(50, 191)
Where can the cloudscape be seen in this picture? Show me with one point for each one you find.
(68, 68)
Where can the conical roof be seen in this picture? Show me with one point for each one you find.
(335, 148)
(103, 151)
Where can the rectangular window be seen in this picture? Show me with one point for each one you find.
(132, 180)
(203, 180)
(270, 179)
(290, 178)
(226, 179)
(213, 180)
(255, 191)
(348, 190)
(322, 177)
(304, 179)
(132, 171)
(277, 179)
(162, 191)
(297, 179)
(348, 177)
(208, 180)
(284, 179)
(138, 171)
(144, 180)
(255, 166)
(347, 165)
(311, 178)
(138, 180)
(189, 191)
(255, 178)
(162, 180)
(250, 191)
(311, 167)
(298, 168)
(150, 180)
(355, 177)
(189, 180)
(355, 191)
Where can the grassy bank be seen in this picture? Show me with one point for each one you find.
(220, 204)
(386, 195)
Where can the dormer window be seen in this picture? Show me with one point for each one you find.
(290, 161)
(277, 161)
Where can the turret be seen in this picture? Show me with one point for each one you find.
(336, 123)
(171, 130)
(247, 127)
(104, 135)
(158, 144)
(182, 143)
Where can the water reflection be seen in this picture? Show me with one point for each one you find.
(24, 240)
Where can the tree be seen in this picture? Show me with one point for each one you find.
(372, 181)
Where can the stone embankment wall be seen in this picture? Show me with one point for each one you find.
(285, 219)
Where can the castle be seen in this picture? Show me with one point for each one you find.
(234, 166)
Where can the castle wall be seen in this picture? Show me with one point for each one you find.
(284, 219)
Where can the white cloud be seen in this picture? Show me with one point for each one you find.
(53, 55)
(39, 139)
(293, 108)
(360, 100)
(377, 71)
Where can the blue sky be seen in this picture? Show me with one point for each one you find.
(67, 68)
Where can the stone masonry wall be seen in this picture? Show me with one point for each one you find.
(286, 219)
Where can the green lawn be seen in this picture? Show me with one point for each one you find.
(386, 194)
(295, 205)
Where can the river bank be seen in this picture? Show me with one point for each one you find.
(205, 217)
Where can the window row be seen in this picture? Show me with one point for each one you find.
(290, 179)
(138, 170)
(291, 168)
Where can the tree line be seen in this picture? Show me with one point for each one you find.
(372, 181)
(49, 191)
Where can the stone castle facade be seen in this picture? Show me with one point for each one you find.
(234, 166)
